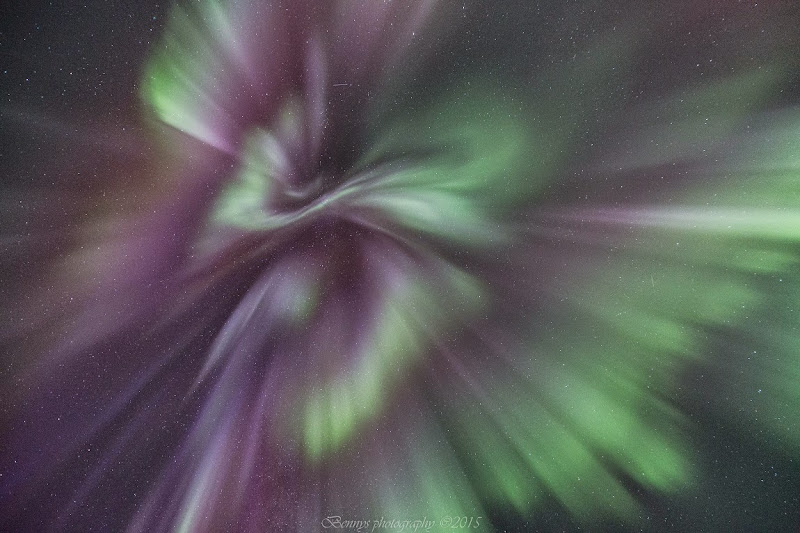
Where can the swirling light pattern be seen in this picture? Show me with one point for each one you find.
(395, 260)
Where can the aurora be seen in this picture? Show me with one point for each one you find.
(420, 261)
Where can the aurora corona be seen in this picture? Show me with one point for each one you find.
(414, 260)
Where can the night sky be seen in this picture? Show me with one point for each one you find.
(414, 265)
